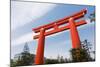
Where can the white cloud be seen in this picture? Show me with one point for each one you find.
(24, 12)
(25, 38)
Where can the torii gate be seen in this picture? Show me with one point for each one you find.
(39, 59)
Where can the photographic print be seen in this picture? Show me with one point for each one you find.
(51, 33)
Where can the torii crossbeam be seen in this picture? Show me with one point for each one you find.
(71, 24)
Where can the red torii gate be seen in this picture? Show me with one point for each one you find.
(39, 59)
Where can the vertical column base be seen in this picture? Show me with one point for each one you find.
(39, 59)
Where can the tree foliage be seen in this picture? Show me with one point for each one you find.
(25, 58)
(82, 54)
(92, 16)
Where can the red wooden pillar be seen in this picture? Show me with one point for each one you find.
(39, 59)
(74, 34)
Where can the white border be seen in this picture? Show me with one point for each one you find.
(84, 2)
(4, 33)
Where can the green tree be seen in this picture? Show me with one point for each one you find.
(92, 16)
(51, 61)
(13, 64)
(62, 59)
(81, 54)
(24, 58)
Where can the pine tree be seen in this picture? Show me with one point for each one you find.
(25, 57)
(26, 48)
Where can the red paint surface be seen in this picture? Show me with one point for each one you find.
(74, 34)
(39, 59)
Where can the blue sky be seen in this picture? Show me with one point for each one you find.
(28, 15)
